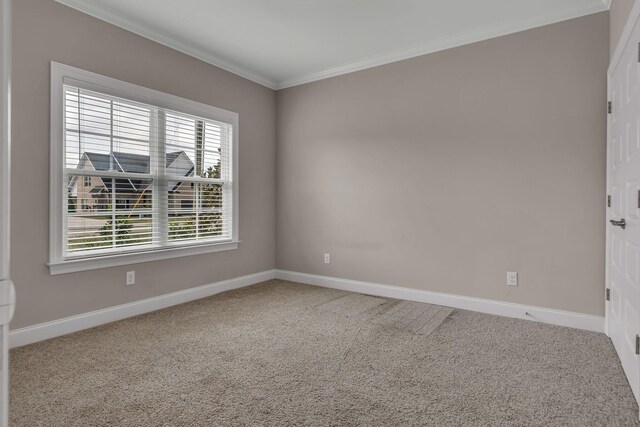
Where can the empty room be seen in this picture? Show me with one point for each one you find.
(319, 213)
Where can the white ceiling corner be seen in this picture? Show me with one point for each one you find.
(284, 43)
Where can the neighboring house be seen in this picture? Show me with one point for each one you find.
(95, 194)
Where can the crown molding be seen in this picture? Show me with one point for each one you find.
(175, 43)
(460, 39)
(456, 40)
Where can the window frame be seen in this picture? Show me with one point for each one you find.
(63, 74)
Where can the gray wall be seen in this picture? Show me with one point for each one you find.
(45, 31)
(619, 13)
(444, 172)
(438, 173)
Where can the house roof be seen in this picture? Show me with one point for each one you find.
(131, 163)
(136, 163)
(171, 157)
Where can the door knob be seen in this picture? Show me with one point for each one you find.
(622, 223)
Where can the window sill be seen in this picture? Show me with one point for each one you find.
(84, 264)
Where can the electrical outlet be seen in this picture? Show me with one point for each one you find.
(327, 258)
(512, 278)
(131, 278)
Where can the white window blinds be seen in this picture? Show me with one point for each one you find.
(140, 177)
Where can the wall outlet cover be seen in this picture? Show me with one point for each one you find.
(131, 278)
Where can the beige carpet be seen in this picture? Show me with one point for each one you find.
(282, 354)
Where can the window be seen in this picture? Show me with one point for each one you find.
(156, 174)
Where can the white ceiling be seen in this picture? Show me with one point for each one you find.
(282, 43)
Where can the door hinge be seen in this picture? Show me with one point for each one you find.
(609, 201)
(607, 294)
(637, 344)
(609, 107)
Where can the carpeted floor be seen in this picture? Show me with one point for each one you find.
(281, 353)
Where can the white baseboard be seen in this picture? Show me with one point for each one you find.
(43, 331)
(56, 328)
(500, 308)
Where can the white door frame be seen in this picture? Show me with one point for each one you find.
(5, 132)
(633, 19)
(6, 287)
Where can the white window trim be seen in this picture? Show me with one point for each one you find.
(63, 74)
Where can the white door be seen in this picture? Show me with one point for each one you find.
(624, 190)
